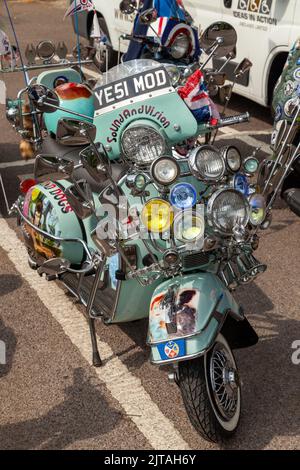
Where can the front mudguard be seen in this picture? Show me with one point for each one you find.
(193, 308)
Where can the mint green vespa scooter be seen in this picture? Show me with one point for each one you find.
(134, 231)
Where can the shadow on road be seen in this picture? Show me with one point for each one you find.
(83, 414)
(271, 383)
(9, 283)
(7, 336)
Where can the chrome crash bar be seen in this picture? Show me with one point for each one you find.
(16, 208)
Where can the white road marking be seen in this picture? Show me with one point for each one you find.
(247, 139)
(127, 389)
(4, 165)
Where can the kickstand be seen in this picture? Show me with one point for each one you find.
(97, 362)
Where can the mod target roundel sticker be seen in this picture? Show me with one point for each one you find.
(297, 74)
(171, 349)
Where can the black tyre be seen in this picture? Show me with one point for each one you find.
(100, 60)
(211, 392)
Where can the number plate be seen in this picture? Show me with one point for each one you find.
(172, 349)
(131, 87)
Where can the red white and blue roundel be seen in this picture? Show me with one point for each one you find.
(168, 29)
(171, 350)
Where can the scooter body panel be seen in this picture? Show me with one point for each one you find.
(167, 113)
(47, 208)
(186, 315)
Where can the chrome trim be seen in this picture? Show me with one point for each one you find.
(45, 66)
(200, 353)
(52, 237)
(210, 211)
(194, 169)
(128, 158)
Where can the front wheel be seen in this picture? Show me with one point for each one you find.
(211, 392)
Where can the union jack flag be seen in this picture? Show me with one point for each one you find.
(195, 96)
(78, 6)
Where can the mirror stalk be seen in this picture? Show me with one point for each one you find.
(219, 41)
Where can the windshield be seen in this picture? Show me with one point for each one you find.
(127, 69)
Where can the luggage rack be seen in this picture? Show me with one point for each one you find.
(47, 55)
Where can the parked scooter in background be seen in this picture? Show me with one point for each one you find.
(67, 88)
(281, 175)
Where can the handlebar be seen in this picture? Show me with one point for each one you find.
(232, 120)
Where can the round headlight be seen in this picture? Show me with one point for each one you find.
(207, 164)
(142, 145)
(165, 170)
(258, 206)
(226, 209)
(189, 226)
(173, 72)
(180, 46)
(183, 196)
(233, 158)
(240, 183)
(251, 165)
(157, 215)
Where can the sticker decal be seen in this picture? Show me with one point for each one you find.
(289, 87)
(172, 350)
(289, 107)
(174, 314)
(297, 75)
(278, 113)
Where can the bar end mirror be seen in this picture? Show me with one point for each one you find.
(43, 98)
(221, 33)
(148, 16)
(127, 7)
(75, 132)
(51, 167)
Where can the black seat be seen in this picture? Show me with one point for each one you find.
(51, 147)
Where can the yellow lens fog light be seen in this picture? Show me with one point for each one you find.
(157, 215)
(189, 226)
(258, 206)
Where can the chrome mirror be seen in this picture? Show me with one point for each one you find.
(81, 200)
(44, 99)
(221, 33)
(93, 163)
(75, 132)
(51, 167)
(54, 267)
(128, 6)
(243, 67)
(148, 16)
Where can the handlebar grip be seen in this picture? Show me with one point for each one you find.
(232, 120)
(126, 37)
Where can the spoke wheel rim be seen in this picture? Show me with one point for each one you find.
(224, 381)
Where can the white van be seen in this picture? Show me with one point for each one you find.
(266, 31)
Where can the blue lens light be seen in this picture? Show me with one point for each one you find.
(241, 184)
(183, 196)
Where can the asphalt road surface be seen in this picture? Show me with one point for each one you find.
(51, 398)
